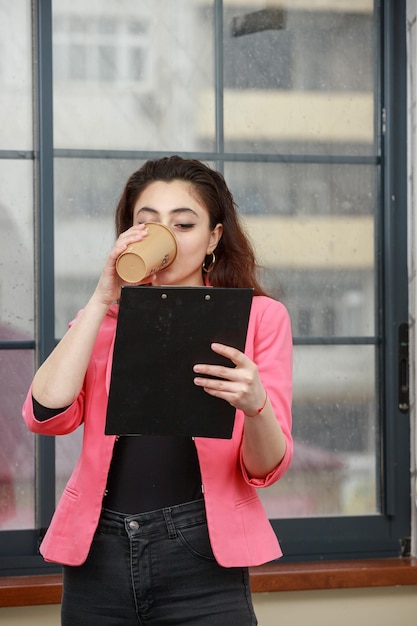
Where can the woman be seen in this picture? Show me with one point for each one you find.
(162, 530)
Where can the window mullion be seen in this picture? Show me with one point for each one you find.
(219, 82)
(44, 211)
(394, 246)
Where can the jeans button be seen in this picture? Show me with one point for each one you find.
(133, 525)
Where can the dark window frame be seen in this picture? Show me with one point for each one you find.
(375, 536)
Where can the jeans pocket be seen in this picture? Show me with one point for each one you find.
(196, 540)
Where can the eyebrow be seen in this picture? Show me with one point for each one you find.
(173, 211)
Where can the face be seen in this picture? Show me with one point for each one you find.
(174, 204)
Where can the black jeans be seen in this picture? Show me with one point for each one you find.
(155, 568)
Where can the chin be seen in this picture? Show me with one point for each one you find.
(163, 279)
(174, 279)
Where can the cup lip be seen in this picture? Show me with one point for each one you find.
(171, 232)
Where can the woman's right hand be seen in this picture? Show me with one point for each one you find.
(60, 378)
(109, 285)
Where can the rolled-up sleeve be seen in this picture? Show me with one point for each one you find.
(60, 424)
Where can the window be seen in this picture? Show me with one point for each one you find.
(100, 49)
(297, 103)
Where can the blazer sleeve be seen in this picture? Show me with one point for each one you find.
(273, 354)
(60, 424)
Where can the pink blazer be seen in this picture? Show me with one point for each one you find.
(240, 532)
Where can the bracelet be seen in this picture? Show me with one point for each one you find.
(259, 410)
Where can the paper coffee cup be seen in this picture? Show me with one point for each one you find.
(151, 255)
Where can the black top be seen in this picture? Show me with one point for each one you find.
(150, 472)
(147, 472)
(43, 413)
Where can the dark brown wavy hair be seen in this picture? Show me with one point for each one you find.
(235, 264)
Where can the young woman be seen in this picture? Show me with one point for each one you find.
(162, 530)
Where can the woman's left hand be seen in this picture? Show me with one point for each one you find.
(239, 385)
(264, 444)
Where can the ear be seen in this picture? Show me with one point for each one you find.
(215, 237)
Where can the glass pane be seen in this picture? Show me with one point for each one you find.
(313, 230)
(86, 195)
(329, 303)
(67, 450)
(130, 75)
(16, 75)
(16, 250)
(334, 470)
(16, 442)
(299, 80)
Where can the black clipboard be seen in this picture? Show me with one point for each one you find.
(161, 333)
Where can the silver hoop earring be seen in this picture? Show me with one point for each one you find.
(207, 269)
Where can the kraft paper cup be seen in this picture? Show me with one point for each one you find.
(151, 255)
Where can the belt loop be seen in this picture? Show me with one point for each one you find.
(172, 532)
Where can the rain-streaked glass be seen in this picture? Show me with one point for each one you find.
(86, 195)
(16, 250)
(128, 76)
(312, 227)
(298, 79)
(17, 467)
(16, 264)
(334, 470)
(16, 109)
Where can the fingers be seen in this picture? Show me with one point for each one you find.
(216, 371)
(109, 284)
(236, 356)
(219, 379)
(133, 234)
(220, 389)
(215, 384)
(239, 385)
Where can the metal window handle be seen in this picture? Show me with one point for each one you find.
(403, 369)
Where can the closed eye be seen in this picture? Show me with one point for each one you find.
(184, 226)
(147, 221)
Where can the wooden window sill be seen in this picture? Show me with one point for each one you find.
(47, 589)
(334, 575)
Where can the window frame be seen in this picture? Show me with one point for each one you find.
(302, 539)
